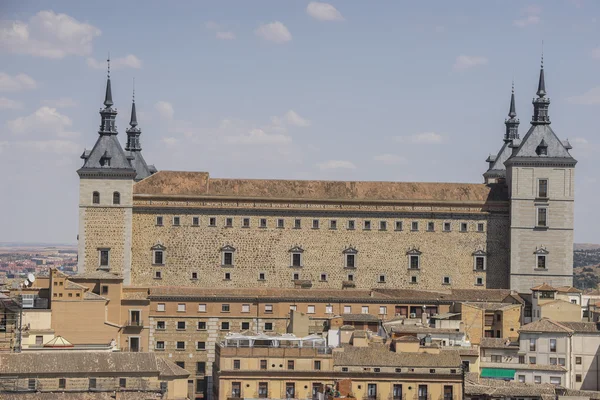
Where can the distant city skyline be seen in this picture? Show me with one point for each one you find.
(381, 91)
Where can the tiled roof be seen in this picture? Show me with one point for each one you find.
(87, 363)
(74, 286)
(545, 325)
(359, 318)
(407, 338)
(528, 367)
(544, 287)
(491, 306)
(168, 369)
(93, 296)
(414, 329)
(380, 355)
(582, 327)
(80, 396)
(498, 343)
(179, 183)
(360, 334)
(497, 388)
(568, 289)
(96, 275)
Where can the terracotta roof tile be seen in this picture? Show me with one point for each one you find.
(380, 355)
(568, 289)
(180, 183)
(498, 343)
(544, 287)
(545, 325)
(359, 318)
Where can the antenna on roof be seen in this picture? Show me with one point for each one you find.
(31, 277)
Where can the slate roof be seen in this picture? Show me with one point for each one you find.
(87, 363)
(180, 183)
(142, 170)
(497, 169)
(380, 355)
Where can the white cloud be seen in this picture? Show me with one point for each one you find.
(258, 136)
(589, 98)
(212, 25)
(8, 104)
(228, 35)
(323, 11)
(293, 118)
(336, 164)
(530, 16)
(422, 138)
(164, 109)
(275, 32)
(596, 53)
(45, 119)
(48, 34)
(15, 83)
(170, 141)
(62, 102)
(580, 141)
(129, 61)
(390, 159)
(465, 62)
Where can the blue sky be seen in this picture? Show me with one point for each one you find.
(353, 90)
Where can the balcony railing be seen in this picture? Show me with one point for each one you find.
(394, 397)
(371, 397)
(134, 323)
(139, 349)
(422, 397)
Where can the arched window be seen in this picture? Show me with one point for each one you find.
(96, 198)
(116, 198)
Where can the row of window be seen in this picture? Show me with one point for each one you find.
(62, 383)
(116, 198)
(551, 345)
(200, 370)
(555, 380)
(316, 224)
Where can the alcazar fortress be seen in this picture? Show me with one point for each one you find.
(174, 228)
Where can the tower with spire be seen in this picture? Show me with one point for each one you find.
(134, 148)
(540, 181)
(106, 198)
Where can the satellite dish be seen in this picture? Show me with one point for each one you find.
(26, 283)
(31, 277)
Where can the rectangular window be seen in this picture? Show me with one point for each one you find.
(351, 277)
(555, 380)
(201, 325)
(245, 308)
(372, 391)
(227, 276)
(347, 309)
(448, 392)
(296, 259)
(381, 279)
(158, 257)
(317, 365)
(157, 274)
(480, 227)
(181, 307)
(160, 325)
(62, 383)
(224, 326)
(104, 289)
(263, 390)
(268, 326)
(479, 263)
(201, 307)
(430, 226)
(446, 280)
(176, 221)
(200, 367)
(268, 308)
(541, 261)
(532, 344)
(228, 258)
(160, 307)
(290, 364)
(496, 358)
(263, 223)
(463, 226)
(236, 364)
(578, 378)
(212, 221)
(561, 362)
(398, 225)
(224, 307)
(522, 378)
(310, 310)
(553, 345)
(414, 226)
(367, 225)
(280, 223)
(200, 345)
(532, 360)
(194, 275)
(92, 383)
(323, 277)
(350, 261)
(263, 364)
(315, 224)
(180, 325)
(246, 223)
(537, 379)
(578, 360)
(180, 345)
(521, 359)
(104, 257)
(382, 310)
(159, 221)
(414, 262)
(297, 223)
(228, 222)
(397, 392)
(295, 276)
(364, 309)
(413, 279)
(447, 226)
(542, 216)
(245, 326)
(333, 224)
(351, 225)
(382, 225)
(543, 188)
(195, 221)
(328, 309)
(553, 361)
(293, 307)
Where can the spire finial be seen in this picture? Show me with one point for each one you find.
(134, 90)
(512, 111)
(133, 121)
(512, 123)
(108, 97)
(541, 92)
(108, 62)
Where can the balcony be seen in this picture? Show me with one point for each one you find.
(422, 397)
(134, 323)
(138, 349)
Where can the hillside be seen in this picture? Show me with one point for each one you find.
(586, 266)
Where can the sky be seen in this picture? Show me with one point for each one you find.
(287, 89)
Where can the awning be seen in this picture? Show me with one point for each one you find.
(498, 373)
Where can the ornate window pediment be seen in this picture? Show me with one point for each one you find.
(413, 252)
(296, 249)
(227, 247)
(158, 246)
(350, 250)
(541, 250)
(480, 252)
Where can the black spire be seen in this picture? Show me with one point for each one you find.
(541, 103)
(133, 132)
(512, 124)
(108, 97)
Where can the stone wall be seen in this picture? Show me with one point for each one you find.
(196, 249)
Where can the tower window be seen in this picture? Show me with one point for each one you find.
(351, 277)
(351, 225)
(479, 263)
(541, 261)
(447, 227)
(157, 275)
(227, 276)
(382, 225)
(246, 223)
(381, 279)
(414, 226)
(227, 256)
(159, 257)
(398, 226)
(479, 281)
(104, 257)
(543, 188)
(430, 226)
(415, 261)
(367, 225)
(263, 222)
(194, 275)
(315, 224)
(176, 221)
(261, 276)
(116, 198)
(413, 279)
(212, 221)
(296, 259)
(350, 261)
(280, 223)
(333, 224)
(96, 198)
(295, 276)
(195, 221)
(542, 217)
(480, 227)
(228, 222)
(159, 221)
(446, 280)
(297, 224)
(463, 226)
(323, 277)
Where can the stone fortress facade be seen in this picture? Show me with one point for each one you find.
(172, 228)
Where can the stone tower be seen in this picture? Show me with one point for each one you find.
(106, 199)
(540, 178)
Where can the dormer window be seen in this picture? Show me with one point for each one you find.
(227, 256)
(542, 149)
(116, 198)
(350, 257)
(296, 256)
(105, 160)
(96, 198)
(414, 258)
